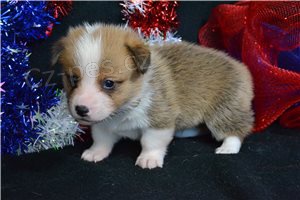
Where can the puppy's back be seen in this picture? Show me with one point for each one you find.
(203, 79)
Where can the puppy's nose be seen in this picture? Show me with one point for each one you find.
(81, 110)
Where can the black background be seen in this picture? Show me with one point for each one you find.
(268, 166)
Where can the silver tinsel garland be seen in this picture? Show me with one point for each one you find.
(56, 128)
(157, 37)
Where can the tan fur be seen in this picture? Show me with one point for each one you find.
(190, 84)
(201, 85)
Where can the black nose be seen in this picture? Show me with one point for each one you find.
(81, 110)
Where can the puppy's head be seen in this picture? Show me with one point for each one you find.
(104, 68)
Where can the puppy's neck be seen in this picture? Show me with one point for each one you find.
(142, 102)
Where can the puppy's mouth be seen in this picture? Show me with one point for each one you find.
(84, 121)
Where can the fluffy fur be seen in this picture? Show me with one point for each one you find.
(158, 89)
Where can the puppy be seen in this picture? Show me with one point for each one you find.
(125, 88)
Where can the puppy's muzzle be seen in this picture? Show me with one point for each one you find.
(81, 110)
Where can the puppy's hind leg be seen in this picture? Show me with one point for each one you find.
(231, 127)
(230, 145)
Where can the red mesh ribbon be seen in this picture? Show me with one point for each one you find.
(257, 33)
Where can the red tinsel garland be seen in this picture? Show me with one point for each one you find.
(159, 15)
(256, 33)
(58, 9)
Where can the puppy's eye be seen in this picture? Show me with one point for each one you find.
(108, 84)
(74, 80)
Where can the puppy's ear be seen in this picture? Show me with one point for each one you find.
(57, 49)
(141, 54)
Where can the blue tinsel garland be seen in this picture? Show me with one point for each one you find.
(24, 97)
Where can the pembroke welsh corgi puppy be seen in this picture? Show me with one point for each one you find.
(122, 87)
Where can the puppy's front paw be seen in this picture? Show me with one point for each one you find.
(150, 160)
(94, 155)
